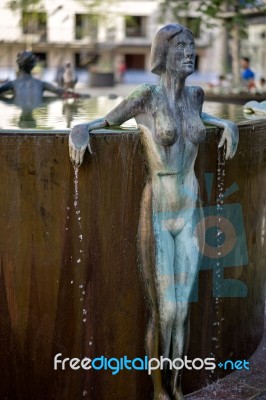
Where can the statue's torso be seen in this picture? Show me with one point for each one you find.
(167, 131)
(28, 92)
(171, 132)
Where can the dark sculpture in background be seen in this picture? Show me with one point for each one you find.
(171, 124)
(28, 91)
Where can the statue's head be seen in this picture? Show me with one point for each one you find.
(26, 60)
(173, 41)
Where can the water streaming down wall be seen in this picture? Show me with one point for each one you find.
(72, 286)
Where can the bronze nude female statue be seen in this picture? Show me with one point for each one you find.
(170, 119)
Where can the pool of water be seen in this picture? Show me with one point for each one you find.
(58, 114)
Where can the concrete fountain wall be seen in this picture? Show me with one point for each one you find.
(72, 286)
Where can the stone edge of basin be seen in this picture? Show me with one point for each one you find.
(107, 131)
(112, 130)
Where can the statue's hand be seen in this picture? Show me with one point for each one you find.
(231, 136)
(79, 141)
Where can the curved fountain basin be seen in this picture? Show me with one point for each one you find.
(57, 114)
(51, 303)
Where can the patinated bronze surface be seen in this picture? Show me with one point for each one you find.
(170, 118)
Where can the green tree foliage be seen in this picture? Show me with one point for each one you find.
(23, 5)
(230, 12)
(94, 5)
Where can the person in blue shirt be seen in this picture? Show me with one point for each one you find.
(247, 74)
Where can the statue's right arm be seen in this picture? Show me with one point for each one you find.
(79, 138)
(6, 86)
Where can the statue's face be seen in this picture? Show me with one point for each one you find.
(181, 54)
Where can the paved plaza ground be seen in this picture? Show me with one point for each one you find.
(240, 385)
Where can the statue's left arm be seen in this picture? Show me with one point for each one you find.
(51, 88)
(230, 134)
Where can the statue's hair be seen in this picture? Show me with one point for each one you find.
(160, 46)
(26, 60)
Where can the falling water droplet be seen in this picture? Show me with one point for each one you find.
(80, 235)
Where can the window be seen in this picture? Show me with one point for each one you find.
(135, 26)
(41, 59)
(86, 26)
(135, 61)
(35, 23)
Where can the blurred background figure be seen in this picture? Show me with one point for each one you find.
(220, 84)
(121, 71)
(68, 78)
(262, 85)
(248, 76)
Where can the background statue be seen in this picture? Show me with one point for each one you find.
(28, 91)
(170, 118)
(68, 77)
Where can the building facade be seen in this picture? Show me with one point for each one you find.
(69, 30)
(117, 31)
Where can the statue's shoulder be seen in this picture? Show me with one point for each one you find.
(143, 90)
(38, 81)
(198, 93)
(29, 79)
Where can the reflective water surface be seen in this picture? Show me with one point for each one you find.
(61, 114)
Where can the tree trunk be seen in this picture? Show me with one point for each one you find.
(224, 51)
(236, 55)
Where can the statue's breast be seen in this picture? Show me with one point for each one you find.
(180, 119)
(195, 130)
(165, 129)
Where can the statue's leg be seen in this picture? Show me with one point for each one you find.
(186, 269)
(156, 274)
